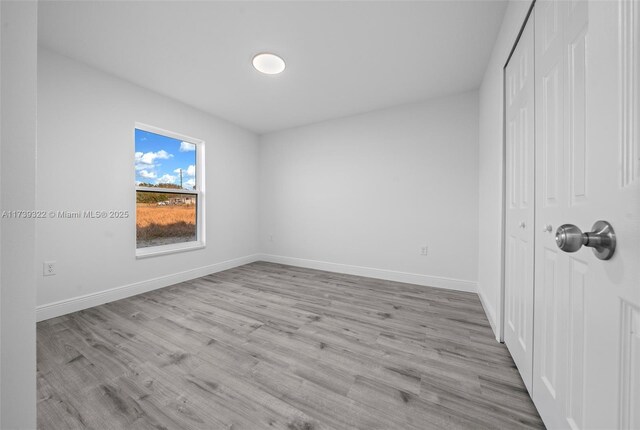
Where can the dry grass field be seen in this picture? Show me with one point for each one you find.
(164, 222)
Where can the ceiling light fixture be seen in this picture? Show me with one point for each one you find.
(269, 64)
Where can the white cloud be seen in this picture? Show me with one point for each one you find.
(150, 157)
(189, 184)
(189, 171)
(146, 174)
(166, 179)
(187, 147)
(145, 166)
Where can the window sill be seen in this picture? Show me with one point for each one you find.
(173, 248)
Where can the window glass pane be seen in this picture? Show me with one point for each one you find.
(164, 162)
(165, 218)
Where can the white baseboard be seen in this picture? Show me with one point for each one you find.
(491, 314)
(63, 307)
(389, 275)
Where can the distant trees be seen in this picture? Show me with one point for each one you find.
(151, 197)
(146, 197)
(174, 186)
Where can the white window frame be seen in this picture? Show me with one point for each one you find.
(200, 241)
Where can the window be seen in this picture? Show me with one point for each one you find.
(169, 191)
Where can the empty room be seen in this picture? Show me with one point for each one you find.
(308, 215)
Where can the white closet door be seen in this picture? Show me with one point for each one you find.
(586, 370)
(519, 225)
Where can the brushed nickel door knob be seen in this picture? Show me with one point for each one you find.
(602, 239)
(569, 238)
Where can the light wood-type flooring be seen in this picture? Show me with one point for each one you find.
(267, 346)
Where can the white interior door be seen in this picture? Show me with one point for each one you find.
(519, 217)
(587, 311)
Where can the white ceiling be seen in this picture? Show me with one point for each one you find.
(342, 57)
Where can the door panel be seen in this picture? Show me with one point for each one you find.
(630, 374)
(577, 138)
(519, 223)
(550, 356)
(577, 280)
(586, 355)
(547, 325)
(550, 119)
(629, 40)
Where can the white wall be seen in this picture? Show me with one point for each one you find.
(18, 57)
(490, 183)
(85, 162)
(368, 191)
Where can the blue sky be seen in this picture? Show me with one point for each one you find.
(158, 160)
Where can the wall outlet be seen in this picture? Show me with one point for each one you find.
(49, 268)
(424, 250)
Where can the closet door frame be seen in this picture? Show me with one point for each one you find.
(503, 267)
(519, 226)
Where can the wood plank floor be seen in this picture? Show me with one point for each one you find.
(267, 346)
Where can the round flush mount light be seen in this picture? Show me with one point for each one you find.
(269, 64)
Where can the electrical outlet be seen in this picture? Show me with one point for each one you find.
(424, 250)
(49, 268)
